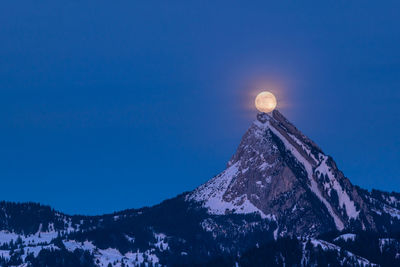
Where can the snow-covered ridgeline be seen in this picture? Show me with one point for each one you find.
(303, 146)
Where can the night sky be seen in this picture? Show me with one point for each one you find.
(108, 105)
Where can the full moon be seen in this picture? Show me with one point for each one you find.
(265, 102)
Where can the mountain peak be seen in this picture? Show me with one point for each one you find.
(280, 174)
(263, 117)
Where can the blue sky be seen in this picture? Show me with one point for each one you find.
(113, 105)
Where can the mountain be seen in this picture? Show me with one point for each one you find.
(280, 201)
(281, 174)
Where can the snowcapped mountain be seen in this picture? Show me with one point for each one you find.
(280, 201)
(281, 174)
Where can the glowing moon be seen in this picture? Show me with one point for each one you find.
(265, 102)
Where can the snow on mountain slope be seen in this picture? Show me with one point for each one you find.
(38, 238)
(274, 171)
(306, 164)
(345, 237)
(333, 184)
(329, 246)
(104, 257)
(212, 195)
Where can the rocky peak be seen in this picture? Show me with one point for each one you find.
(282, 175)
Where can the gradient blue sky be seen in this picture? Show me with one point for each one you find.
(107, 105)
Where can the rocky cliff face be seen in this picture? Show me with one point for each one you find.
(282, 175)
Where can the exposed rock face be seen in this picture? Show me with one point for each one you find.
(281, 174)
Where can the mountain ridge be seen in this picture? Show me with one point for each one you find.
(274, 158)
(278, 188)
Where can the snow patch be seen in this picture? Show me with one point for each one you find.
(211, 195)
(395, 213)
(161, 243)
(38, 238)
(314, 187)
(333, 184)
(346, 237)
(111, 255)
